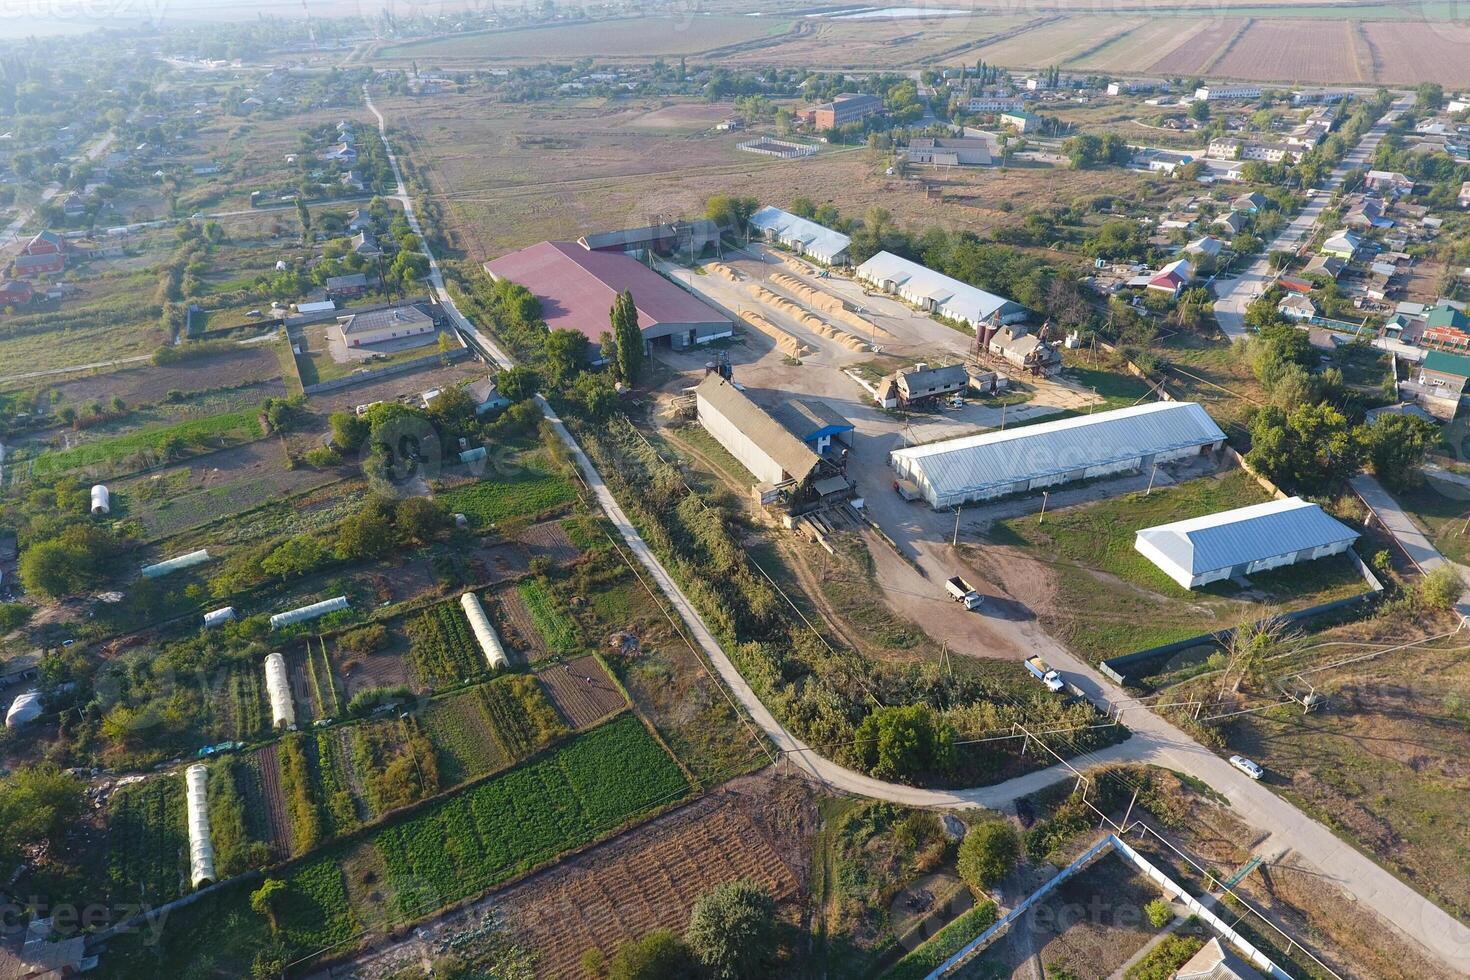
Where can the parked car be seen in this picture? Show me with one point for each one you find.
(1247, 766)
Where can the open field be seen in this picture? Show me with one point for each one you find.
(232, 368)
(1060, 42)
(1206, 42)
(146, 447)
(1295, 51)
(642, 37)
(532, 490)
(1145, 42)
(1410, 52)
(879, 43)
(1105, 598)
(1441, 509)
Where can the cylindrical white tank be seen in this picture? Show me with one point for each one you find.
(485, 633)
(176, 564)
(25, 709)
(278, 688)
(201, 850)
(308, 612)
(218, 617)
(101, 500)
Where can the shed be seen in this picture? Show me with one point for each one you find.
(101, 500)
(1243, 541)
(802, 235)
(485, 634)
(278, 689)
(201, 850)
(1017, 460)
(772, 454)
(814, 422)
(937, 293)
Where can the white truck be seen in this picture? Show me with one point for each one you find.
(962, 592)
(1045, 674)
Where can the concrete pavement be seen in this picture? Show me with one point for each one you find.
(1154, 741)
(1234, 295)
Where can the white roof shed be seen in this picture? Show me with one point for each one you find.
(802, 234)
(938, 293)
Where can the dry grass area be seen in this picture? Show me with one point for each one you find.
(682, 33)
(1205, 44)
(1293, 50)
(882, 43)
(1058, 42)
(1410, 52)
(1144, 42)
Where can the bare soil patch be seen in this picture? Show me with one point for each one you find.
(581, 691)
(240, 366)
(549, 541)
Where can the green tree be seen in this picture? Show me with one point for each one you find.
(566, 353)
(369, 533)
(294, 557)
(900, 742)
(1309, 449)
(659, 955)
(418, 520)
(1395, 445)
(37, 803)
(348, 431)
(730, 212)
(517, 383)
(628, 337)
(732, 931)
(266, 900)
(988, 853)
(1160, 913)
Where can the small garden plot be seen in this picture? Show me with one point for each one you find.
(550, 541)
(1109, 599)
(335, 776)
(492, 563)
(396, 763)
(367, 663)
(148, 841)
(265, 801)
(463, 737)
(442, 647)
(243, 710)
(552, 624)
(149, 447)
(240, 843)
(586, 789)
(581, 691)
(530, 493)
(520, 715)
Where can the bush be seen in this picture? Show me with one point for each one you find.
(13, 615)
(363, 641)
(366, 700)
(988, 853)
(1160, 913)
(1165, 958)
(322, 457)
(660, 955)
(732, 931)
(1442, 588)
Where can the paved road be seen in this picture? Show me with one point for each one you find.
(1396, 521)
(1154, 740)
(1236, 294)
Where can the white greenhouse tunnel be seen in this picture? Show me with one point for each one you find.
(201, 850)
(278, 688)
(489, 640)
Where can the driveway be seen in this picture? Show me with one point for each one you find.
(1234, 295)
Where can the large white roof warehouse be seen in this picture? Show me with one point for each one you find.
(1243, 541)
(806, 237)
(994, 464)
(929, 290)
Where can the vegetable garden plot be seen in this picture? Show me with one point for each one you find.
(518, 628)
(551, 621)
(550, 541)
(442, 648)
(463, 738)
(265, 805)
(243, 703)
(530, 493)
(581, 691)
(148, 841)
(464, 845)
(520, 716)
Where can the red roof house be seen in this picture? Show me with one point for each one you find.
(577, 287)
(45, 243)
(15, 293)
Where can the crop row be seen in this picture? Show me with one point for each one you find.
(590, 786)
(442, 648)
(555, 626)
(460, 729)
(148, 841)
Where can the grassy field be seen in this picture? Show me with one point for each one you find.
(529, 492)
(1111, 600)
(136, 450)
(643, 37)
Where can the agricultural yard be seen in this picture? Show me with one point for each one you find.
(148, 843)
(549, 540)
(827, 43)
(321, 359)
(387, 389)
(581, 691)
(1080, 571)
(1410, 52)
(1145, 42)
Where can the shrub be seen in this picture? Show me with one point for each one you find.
(988, 853)
(1165, 958)
(322, 457)
(732, 931)
(364, 701)
(363, 641)
(660, 955)
(1160, 913)
(13, 615)
(1442, 588)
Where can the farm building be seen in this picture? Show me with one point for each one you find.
(377, 326)
(176, 564)
(676, 237)
(993, 464)
(278, 689)
(801, 235)
(485, 634)
(937, 293)
(949, 151)
(1243, 541)
(201, 850)
(577, 287)
(772, 454)
(308, 612)
(346, 287)
(815, 423)
(101, 500)
(921, 383)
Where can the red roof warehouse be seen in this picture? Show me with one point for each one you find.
(577, 287)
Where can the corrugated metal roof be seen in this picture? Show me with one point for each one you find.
(790, 453)
(995, 459)
(789, 227)
(1246, 534)
(957, 300)
(808, 418)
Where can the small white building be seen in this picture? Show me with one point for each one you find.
(1218, 93)
(1243, 541)
(802, 235)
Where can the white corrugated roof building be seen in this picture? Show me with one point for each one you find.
(1243, 541)
(802, 234)
(1031, 457)
(937, 293)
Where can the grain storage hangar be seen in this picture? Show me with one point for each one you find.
(1031, 457)
(802, 236)
(771, 453)
(308, 612)
(1243, 541)
(929, 290)
(176, 564)
(101, 500)
(201, 851)
(278, 689)
(485, 634)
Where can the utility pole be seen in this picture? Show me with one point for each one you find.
(1044, 497)
(1151, 475)
(955, 540)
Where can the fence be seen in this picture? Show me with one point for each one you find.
(1170, 887)
(417, 364)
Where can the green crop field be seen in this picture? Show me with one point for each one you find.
(442, 647)
(528, 494)
(589, 787)
(555, 626)
(148, 841)
(149, 446)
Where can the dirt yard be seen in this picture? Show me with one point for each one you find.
(581, 691)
